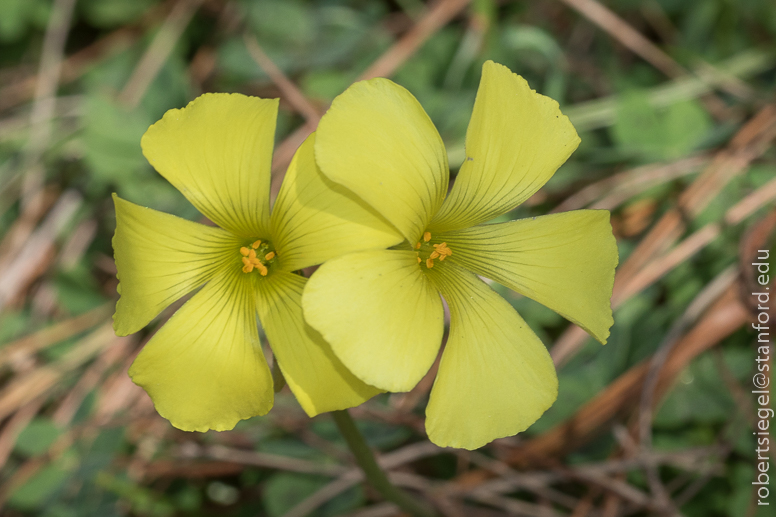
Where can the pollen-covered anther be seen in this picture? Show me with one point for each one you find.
(426, 236)
(417, 246)
(256, 256)
(429, 263)
(442, 251)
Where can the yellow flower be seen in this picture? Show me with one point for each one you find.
(380, 309)
(204, 369)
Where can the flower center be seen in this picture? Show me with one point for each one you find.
(428, 252)
(258, 255)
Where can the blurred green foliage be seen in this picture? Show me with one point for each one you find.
(323, 47)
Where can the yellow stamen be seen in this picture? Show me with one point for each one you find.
(252, 254)
(256, 262)
(442, 250)
(434, 254)
(244, 251)
(246, 261)
(420, 260)
(247, 268)
(427, 236)
(269, 256)
(429, 263)
(256, 244)
(417, 246)
(262, 269)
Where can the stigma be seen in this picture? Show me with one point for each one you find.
(257, 256)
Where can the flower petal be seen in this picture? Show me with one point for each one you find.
(377, 141)
(381, 315)
(218, 152)
(315, 219)
(495, 378)
(515, 142)
(565, 261)
(204, 369)
(159, 259)
(319, 380)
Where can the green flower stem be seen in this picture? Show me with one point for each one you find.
(374, 474)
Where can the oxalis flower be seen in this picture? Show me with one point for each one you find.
(380, 309)
(204, 369)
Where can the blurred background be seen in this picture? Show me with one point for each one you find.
(674, 101)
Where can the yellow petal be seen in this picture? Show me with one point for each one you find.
(218, 151)
(318, 379)
(159, 259)
(205, 369)
(515, 142)
(377, 141)
(315, 219)
(381, 315)
(565, 261)
(495, 378)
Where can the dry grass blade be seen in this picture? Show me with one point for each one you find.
(158, 52)
(643, 265)
(15, 426)
(34, 257)
(611, 192)
(289, 90)
(723, 318)
(23, 389)
(29, 345)
(384, 66)
(353, 476)
(620, 30)
(436, 18)
(45, 96)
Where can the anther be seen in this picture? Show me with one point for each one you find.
(420, 260)
(269, 256)
(262, 269)
(427, 236)
(251, 254)
(256, 244)
(434, 254)
(244, 251)
(429, 263)
(417, 246)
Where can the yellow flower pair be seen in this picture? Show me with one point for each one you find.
(366, 196)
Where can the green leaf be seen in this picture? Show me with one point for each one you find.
(113, 12)
(37, 437)
(112, 141)
(17, 15)
(42, 486)
(647, 133)
(285, 490)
